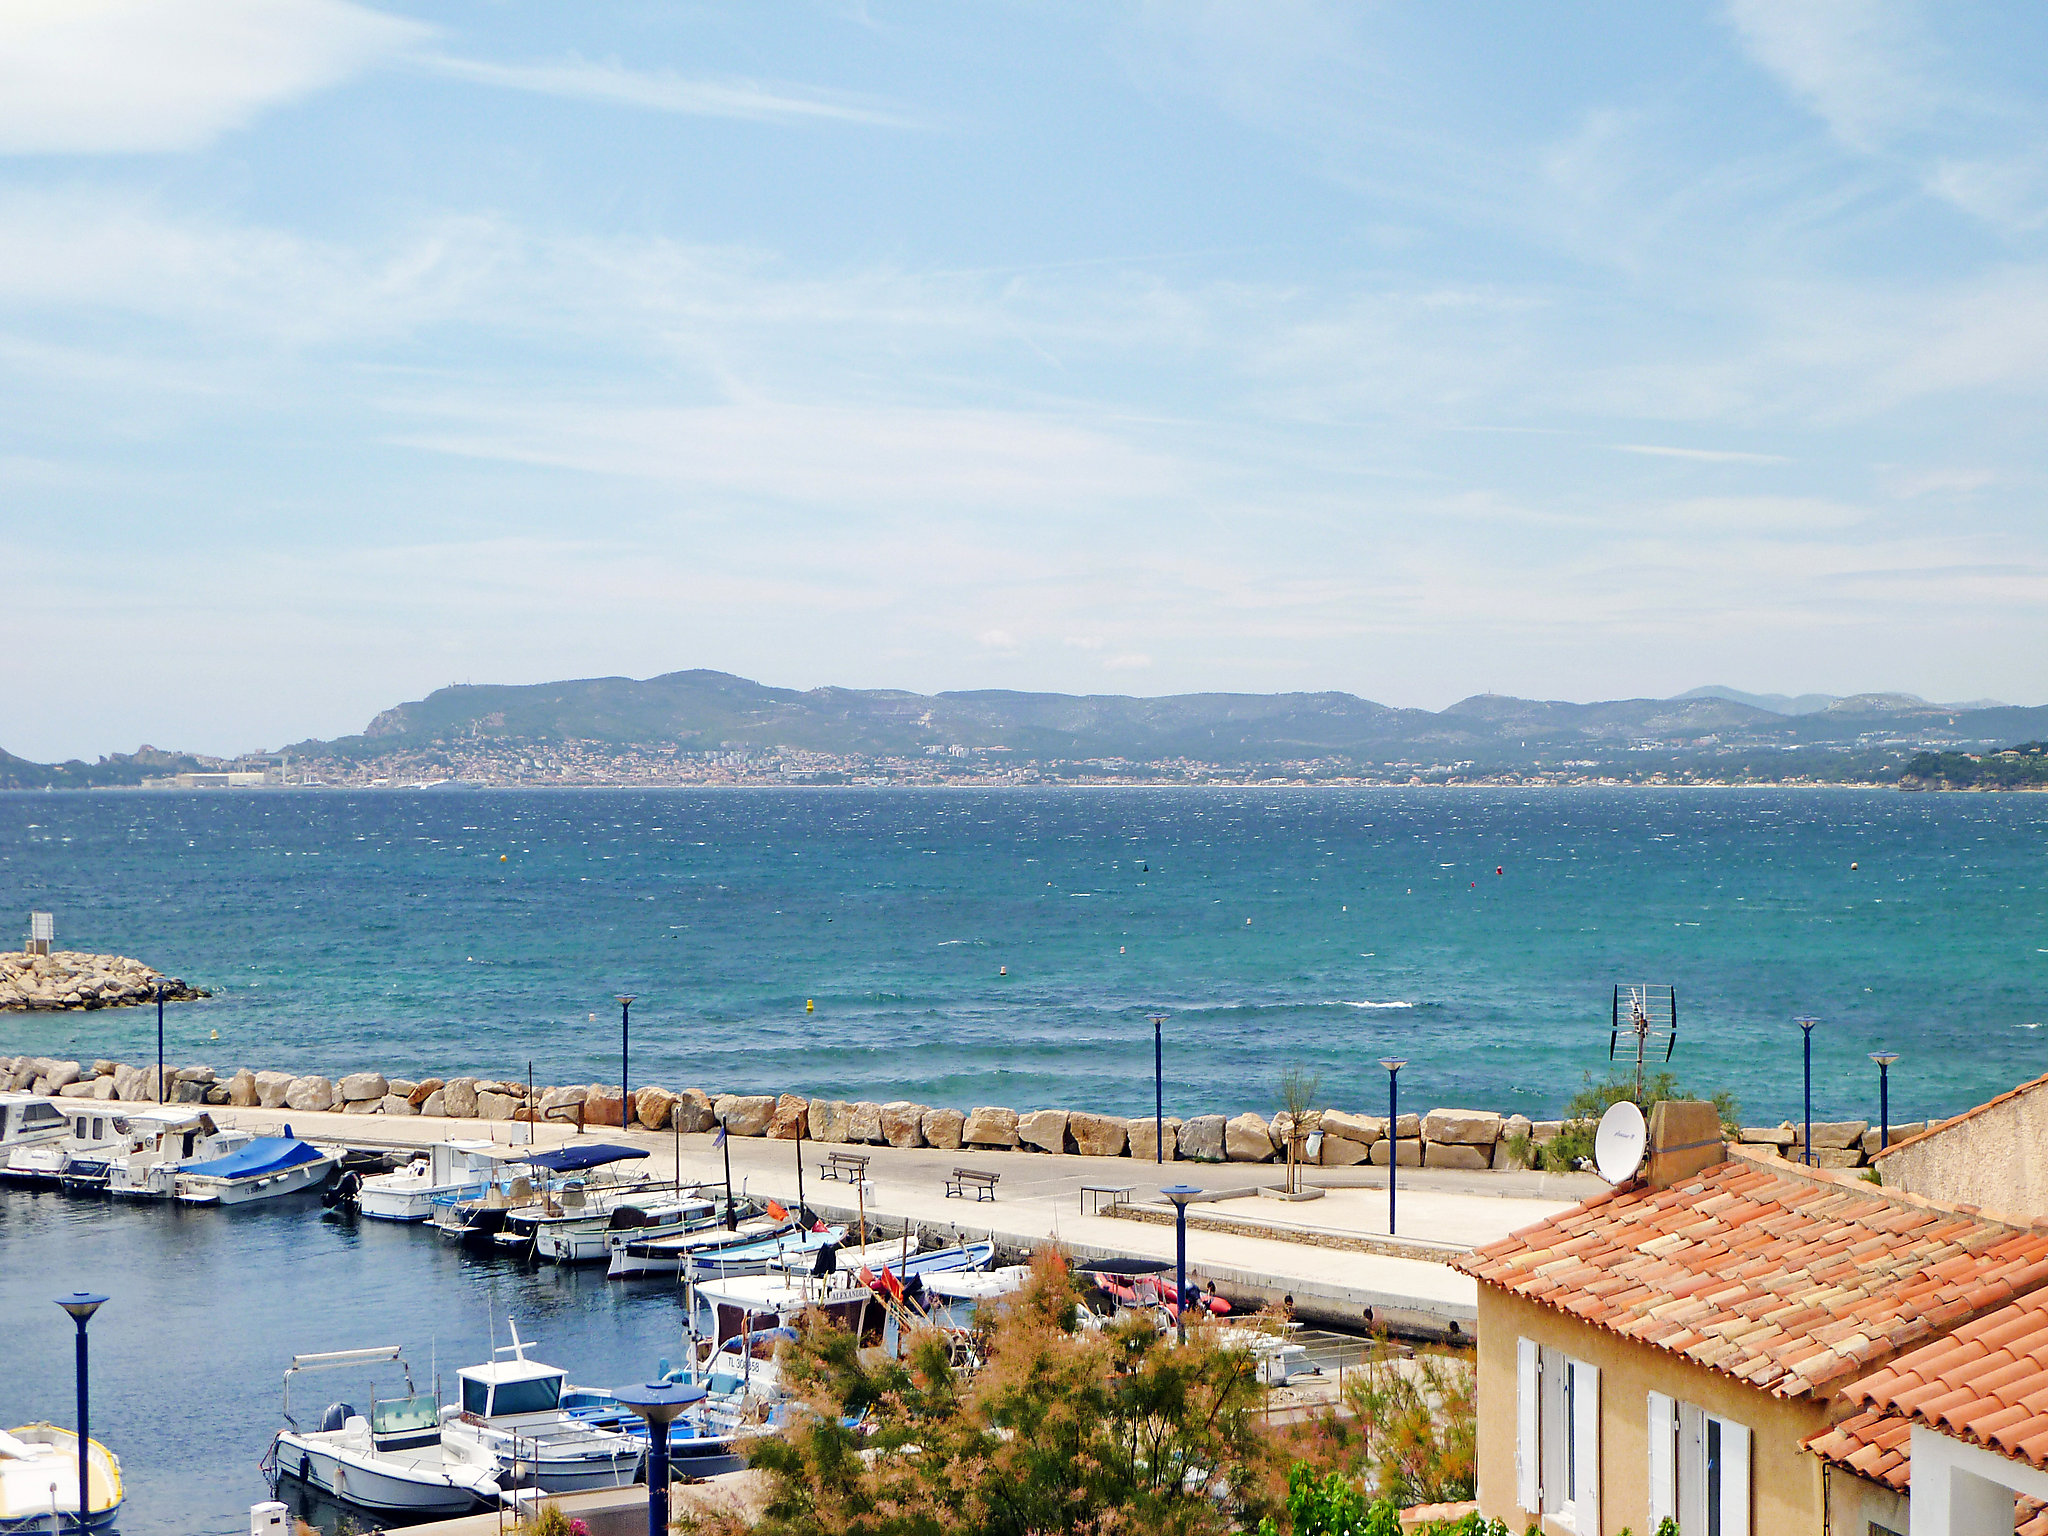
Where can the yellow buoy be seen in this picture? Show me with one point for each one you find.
(810, 1005)
(216, 1034)
(501, 858)
(1003, 971)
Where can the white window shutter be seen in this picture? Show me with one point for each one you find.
(1692, 1470)
(1734, 1480)
(1551, 1439)
(1663, 1442)
(1528, 1416)
(1585, 1432)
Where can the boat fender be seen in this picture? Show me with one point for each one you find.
(336, 1417)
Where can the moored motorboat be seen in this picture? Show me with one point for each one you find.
(562, 1240)
(33, 1131)
(791, 1246)
(268, 1168)
(452, 1168)
(392, 1460)
(635, 1254)
(158, 1143)
(511, 1413)
(39, 1481)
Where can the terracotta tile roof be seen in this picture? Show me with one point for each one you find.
(1789, 1278)
(1873, 1444)
(1986, 1382)
(1935, 1127)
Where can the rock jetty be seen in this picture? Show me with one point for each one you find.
(1471, 1139)
(68, 978)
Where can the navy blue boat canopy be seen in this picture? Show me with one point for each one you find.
(576, 1159)
(266, 1154)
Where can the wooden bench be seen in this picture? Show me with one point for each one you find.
(963, 1179)
(846, 1167)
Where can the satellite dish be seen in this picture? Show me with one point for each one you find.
(1619, 1144)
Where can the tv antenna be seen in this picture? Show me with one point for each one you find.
(1651, 1020)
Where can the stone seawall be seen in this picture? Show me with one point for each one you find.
(1468, 1139)
(68, 978)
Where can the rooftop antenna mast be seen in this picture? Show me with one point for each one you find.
(1651, 1020)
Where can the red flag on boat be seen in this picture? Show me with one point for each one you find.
(867, 1278)
(776, 1212)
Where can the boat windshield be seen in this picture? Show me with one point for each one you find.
(406, 1415)
(541, 1395)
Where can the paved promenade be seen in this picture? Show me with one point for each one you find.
(1330, 1259)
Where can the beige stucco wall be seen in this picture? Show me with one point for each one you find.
(1786, 1480)
(1997, 1159)
(1856, 1506)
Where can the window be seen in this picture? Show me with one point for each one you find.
(476, 1397)
(1557, 1437)
(1699, 1470)
(537, 1396)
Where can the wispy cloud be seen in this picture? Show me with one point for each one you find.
(613, 84)
(1702, 455)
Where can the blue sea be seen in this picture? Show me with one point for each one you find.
(1008, 947)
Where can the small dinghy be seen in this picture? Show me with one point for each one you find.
(37, 1458)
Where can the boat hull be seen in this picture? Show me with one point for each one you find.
(350, 1479)
(198, 1189)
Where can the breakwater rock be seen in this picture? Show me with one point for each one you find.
(67, 978)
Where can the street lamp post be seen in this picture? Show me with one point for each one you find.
(81, 1305)
(1158, 1089)
(1180, 1195)
(1806, 1021)
(1884, 1060)
(625, 1059)
(659, 1403)
(1393, 1064)
(160, 1040)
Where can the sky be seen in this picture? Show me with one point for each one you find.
(1414, 350)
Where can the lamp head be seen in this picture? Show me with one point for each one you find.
(1393, 1063)
(624, 997)
(81, 1305)
(1806, 1021)
(1180, 1194)
(1884, 1058)
(659, 1402)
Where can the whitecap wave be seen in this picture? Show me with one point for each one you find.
(1345, 1002)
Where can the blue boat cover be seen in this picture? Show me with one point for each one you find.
(266, 1154)
(576, 1159)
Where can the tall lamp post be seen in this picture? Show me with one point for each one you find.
(1884, 1060)
(1393, 1064)
(1806, 1021)
(1180, 1195)
(160, 1040)
(625, 1059)
(81, 1305)
(659, 1403)
(1158, 1089)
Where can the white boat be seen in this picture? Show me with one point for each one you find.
(741, 1306)
(392, 1460)
(633, 1254)
(156, 1144)
(511, 1413)
(32, 1135)
(268, 1168)
(36, 1459)
(793, 1247)
(848, 1259)
(977, 1285)
(446, 1168)
(584, 1239)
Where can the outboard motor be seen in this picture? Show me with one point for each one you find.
(336, 1417)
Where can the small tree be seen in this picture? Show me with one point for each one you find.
(1298, 1090)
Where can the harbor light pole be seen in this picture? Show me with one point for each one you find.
(160, 1040)
(625, 1059)
(81, 1305)
(659, 1403)
(1806, 1021)
(1180, 1195)
(1393, 1064)
(1884, 1060)
(1158, 1090)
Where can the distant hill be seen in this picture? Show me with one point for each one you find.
(2022, 767)
(123, 768)
(1776, 703)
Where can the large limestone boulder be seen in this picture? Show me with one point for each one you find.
(242, 1089)
(1343, 1152)
(82, 1089)
(270, 1089)
(1836, 1135)
(1461, 1127)
(1043, 1130)
(567, 1099)
(217, 1093)
(1779, 1136)
(1835, 1157)
(990, 1126)
(310, 1094)
(402, 1086)
(1363, 1129)
(1411, 1153)
(1541, 1131)
(435, 1103)
(791, 1118)
(693, 1111)
(363, 1107)
(498, 1106)
(943, 1128)
(132, 1084)
(197, 1075)
(458, 1095)
(831, 1119)
(63, 1074)
(903, 1123)
(745, 1114)
(1457, 1154)
(1899, 1133)
(601, 1106)
(1247, 1138)
(864, 1123)
(1409, 1127)
(1144, 1135)
(1098, 1135)
(1201, 1139)
(424, 1089)
(398, 1104)
(653, 1106)
(101, 1088)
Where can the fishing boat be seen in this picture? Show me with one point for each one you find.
(577, 1185)
(740, 1305)
(32, 1135)
(268, 1168)
(791, 1245)
(569, 1240)
(511, 1413)
(458, 1169)
(847, 1258)
(393, 1460)
(39, 1481)
(157, 1144)
(634, 1254)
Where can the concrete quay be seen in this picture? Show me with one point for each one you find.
(1329, 1259)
